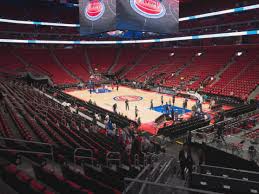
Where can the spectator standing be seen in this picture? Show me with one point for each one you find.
(127, 104)
(166, 109)
(186, 161)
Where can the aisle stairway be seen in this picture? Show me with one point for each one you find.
(116, 60)
(55, 58)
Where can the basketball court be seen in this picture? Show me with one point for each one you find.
(136, 97)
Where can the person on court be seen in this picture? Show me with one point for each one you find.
(127, 104)
(173, 99)
(172, 113)
(162, 100)
(117, 87)
(186, 161)
(151, 105)
(112, 86)
(115, 108)
(136, 112)
(166, 109)
(199, 105)
(185, 104)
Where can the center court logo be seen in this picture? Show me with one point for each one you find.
(94, 10)
(130, 98)
(148, 8)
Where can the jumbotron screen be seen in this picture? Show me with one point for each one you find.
(148, 15)
(98, 16)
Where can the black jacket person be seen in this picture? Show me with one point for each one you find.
(185, 159)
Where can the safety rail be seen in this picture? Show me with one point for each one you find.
(168, 168)
(118, 159)
(140, 176)
(145, 162)
(154, 157)
(149, 156)
(91, 157)
(152, 187)
(136, 159)
(26, 151)
(204, 134)
(210, 137)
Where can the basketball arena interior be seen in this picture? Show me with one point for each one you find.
(129, 96)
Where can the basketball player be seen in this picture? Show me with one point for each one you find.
(172, 114)
(166, 109)
(185, 103)
(151, 105)
(136, 112)
(127, 104)
(115, 108)
(112, 86)
(173, 99)
(117, 87)
(162, 100)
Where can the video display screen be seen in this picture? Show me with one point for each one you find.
(159, 16)
(97, 16)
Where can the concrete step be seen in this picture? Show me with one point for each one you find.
(115, 61)
(55, 58)
(138, 60)
(11, 125)
(254, 93)
(88, 62)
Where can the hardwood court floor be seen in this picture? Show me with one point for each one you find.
(106, 100)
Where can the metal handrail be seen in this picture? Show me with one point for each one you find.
(228, 126)
(147, 168)
(113, 159)
(145, 158)
(154, 157)
(136, 159)
(186, 189)
(88, 150)
(150, 155)
(232, 121)
(26, 141)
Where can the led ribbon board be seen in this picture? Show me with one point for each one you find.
(195, 37)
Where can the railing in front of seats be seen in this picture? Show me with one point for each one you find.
(113, 157)
(91, 157)
(51, 153)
